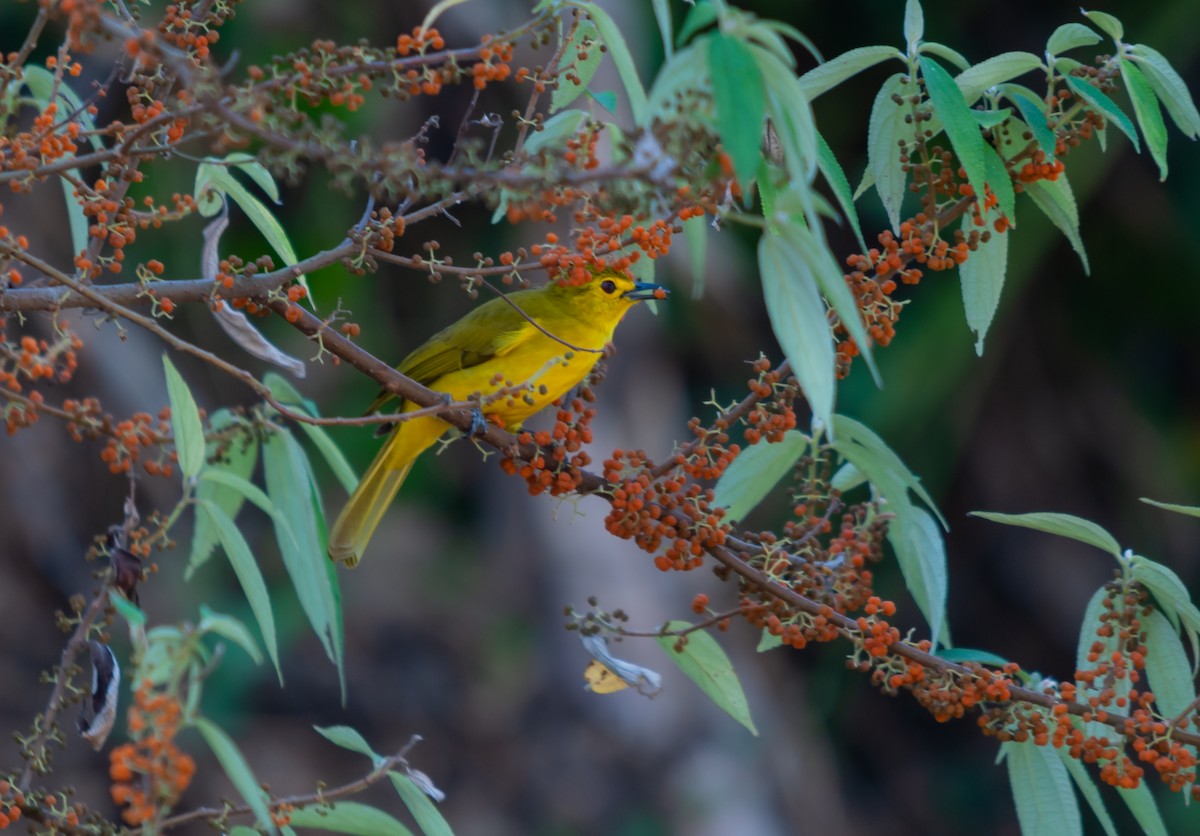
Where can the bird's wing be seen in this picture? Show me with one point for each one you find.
(491, 330)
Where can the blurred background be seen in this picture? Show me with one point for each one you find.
(1087, 398)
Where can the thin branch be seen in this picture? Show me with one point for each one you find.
(322, 796)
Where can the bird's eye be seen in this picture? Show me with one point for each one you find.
(608, 286)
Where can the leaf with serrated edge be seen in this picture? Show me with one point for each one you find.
(982, 279)
(705, 663)
(921, 555)
(886, 467)
(975, 80)
(914, 24)
(1088, 789)
(1041, 790)
(1167, 666)
(1142, 805)
(1034, 115)
(567, 90)
(835, 176)
(1057, 202)
(1149, 117)
(1064, 525)
(797, 316)
(885, 130)
(824, 77)
(1170, 88)
(1111, 26)
(753, 474)
(237, 770)
(1091, 93)
(959, 125)
(1070, 36)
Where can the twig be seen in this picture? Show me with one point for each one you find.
(308, 799)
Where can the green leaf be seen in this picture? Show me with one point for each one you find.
(1057, 202)
(1172, 595)
(867, 451)
(1088, 789)
(832, 283)
(942, 51)
(798, 319)
(966, 654)
(1190, 510)
(1070, 36)
(662, 16)
(256, 171)
(131, 612)
(555, 131)
(825, 77)
(567, 90)
(1167, 666)
(914, 24)
(1034, 114)
(791, 115)
(768, 642)
(289, 487)
(1141, 803)
(428, 817)
(1145, 108)
(287, 394)
(247, 571)
(1107, 23)
(886, 130)
(700, 16)
(835, 176)
(237, 769)
(921, 555)
(705, 663)
(349, 817)
(960, 127)
(974, 81)
(982, 279)
(230, 628)
(185, 422)
(738, 92)
(753, 474)
(348, 738)
(1088, 637)
(1091, 94)
(1064, 525)
(239, 459)
(695, 231)
(989, 119)
(217, 178)
(607, 99)
(1169, 86)
(1041, 790)
(1000, 183)
(617, 48)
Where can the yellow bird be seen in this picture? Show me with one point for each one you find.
(493, 347)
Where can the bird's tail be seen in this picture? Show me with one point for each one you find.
(357, 522)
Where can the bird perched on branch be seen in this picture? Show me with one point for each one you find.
(518, 353)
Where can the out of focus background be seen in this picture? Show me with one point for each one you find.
(1087, 398)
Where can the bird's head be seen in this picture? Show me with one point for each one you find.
(607, 295)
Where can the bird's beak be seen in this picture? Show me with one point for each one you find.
(647, 290)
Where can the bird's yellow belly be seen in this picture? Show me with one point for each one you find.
(532, 382)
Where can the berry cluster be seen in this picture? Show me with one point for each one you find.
(151, 772)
